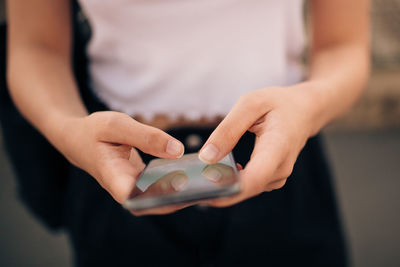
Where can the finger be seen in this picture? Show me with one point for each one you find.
(219, 174)
(136, 160)
(170, 183)
(276, 185)
(268, 155)
(122, 129)
(242, 116)
(117, 174)
(239, 166)
(259, 171)
(229, 200)
(119, 178)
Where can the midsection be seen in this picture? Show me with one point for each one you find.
(185, 60)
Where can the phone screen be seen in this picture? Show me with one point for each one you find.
(188, 179)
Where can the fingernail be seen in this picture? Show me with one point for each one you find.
(209, 153)
(174, 148)
(212, 174)
(179, 182)
(164, 186)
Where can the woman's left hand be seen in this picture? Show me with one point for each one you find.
(282, 118)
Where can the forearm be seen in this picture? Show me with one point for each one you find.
(339, 65)
(338, 75)
(43, 89)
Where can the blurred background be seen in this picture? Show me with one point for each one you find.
(363, 146)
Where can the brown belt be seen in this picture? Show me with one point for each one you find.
(164, 122)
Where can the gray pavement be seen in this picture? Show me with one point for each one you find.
(367, 168)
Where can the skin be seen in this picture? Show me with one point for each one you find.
(165, 185)
(283, 118)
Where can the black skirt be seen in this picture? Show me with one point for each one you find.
(297, 225)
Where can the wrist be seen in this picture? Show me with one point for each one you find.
(313, 104)
(60, 129)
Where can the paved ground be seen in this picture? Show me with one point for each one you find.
(367, 166)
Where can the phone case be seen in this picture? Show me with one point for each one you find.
(199, 190)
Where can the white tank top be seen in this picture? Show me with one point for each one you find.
(191, 57)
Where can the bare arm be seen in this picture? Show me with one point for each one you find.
(43, 88)
(283, 118)
(339, 55)
(39, 64)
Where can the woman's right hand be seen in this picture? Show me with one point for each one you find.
(103, 144)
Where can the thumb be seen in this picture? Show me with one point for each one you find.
(122, 129)
(224, 138)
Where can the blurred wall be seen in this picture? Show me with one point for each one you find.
(380, 105)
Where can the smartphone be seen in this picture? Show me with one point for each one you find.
(185, 180)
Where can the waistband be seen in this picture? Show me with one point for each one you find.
(161, 121)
